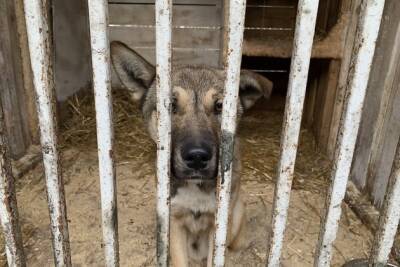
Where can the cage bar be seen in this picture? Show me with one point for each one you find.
(163, 11)
(100, 46)
(41, 54)
(390, 216)
(8, 204)
(301, 54)
(233, 57)
(363, 52)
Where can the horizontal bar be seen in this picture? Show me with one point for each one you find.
(301, 54)
(235, 29)
(8, 204)
(363, 52)
(41, 55)
(163, 11)
(389, 218)
(100, 46)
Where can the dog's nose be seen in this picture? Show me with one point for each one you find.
(196, 158)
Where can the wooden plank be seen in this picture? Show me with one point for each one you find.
(141, 14)
(309, 106)
(274, 3)
(327, 88)
(26, 71)
(351, 13)
(183, 38)
(71, 44)
(267, 16)
(389, 218)
(11, 83)
(379, 169)
(175, 2)
(319, 95)
(370, 150)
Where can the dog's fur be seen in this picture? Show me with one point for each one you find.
(196, 108)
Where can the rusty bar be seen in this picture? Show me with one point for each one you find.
(100, 46)
(163, 11)
(363, 52)
(235, 28)
(8, 204)
(40, 49)
(389, 219)
(301, 54)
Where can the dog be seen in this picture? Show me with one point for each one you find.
(196, 106)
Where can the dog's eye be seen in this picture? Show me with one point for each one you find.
(174, 105)
(218, 106)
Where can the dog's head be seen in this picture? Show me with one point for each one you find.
(197, 96)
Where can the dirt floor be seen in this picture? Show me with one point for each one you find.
(135, 165)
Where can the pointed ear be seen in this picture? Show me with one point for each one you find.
(253, 86)
(135, 73)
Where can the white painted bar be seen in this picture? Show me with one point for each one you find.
(235, 28)
(98, 21)
(163, 11)
(41, 54)
(8, 204)
(363, 52)
(303, 40)
(390, 216)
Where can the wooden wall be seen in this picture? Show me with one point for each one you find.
(72, 66)
(196, 36)
(380, 126)
(16, 95)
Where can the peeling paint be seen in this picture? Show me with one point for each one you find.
(389, 219)
(163, 86)
(301, 54)
(98, 21)
(234, 33)
(8, 204)
(363, 52)
(41, 54)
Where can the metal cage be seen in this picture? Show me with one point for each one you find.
(41, 59)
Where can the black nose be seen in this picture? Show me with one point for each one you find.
(196, 158)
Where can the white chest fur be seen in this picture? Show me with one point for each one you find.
(190, 197)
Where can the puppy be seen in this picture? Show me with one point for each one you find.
(197, 96)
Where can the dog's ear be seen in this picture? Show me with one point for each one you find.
(135, 73)
(253, 86)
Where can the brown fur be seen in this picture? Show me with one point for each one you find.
(197, 95)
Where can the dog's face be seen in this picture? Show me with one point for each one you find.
(197, 96)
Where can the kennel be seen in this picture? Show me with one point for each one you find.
(265, 39)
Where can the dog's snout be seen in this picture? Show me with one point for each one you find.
(196, 157)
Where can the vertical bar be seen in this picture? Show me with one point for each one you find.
(232, 62)
(364, 47)
(163, 84)
(40, 48)
(301, 54)
(8, 204)
(390, 216)
(100, 46)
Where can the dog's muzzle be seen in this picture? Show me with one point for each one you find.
(196, 161)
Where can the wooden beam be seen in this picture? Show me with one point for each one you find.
(11, 83)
